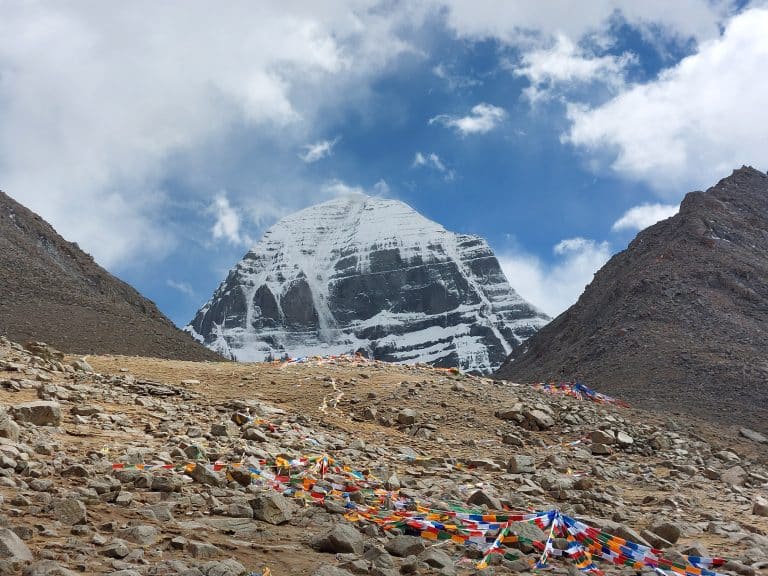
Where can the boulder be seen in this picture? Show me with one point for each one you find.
(47, 568)
(540, 419)
(436, 558)
(760, 507)
(272, 508)
(8, 428)
(330, 570)
(12, 547)
(69, 511)
(602, 437)
(202, 474)
(342, 538)
(667, 530)
(142, 534)
(521, 464)
(482, 498)
(735, 476)
(753, 435)
(204, 550)
(404, 546)
(624, 440)
(38, 412)
(407, 417)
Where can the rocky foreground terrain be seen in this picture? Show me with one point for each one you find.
(132, 466)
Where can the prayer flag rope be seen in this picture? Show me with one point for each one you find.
(318, 478)
(579, 391)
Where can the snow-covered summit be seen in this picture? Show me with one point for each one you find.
(365, 273)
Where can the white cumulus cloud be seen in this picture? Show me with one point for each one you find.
(433, 161)
(228, 222)
(640, 217)
(564, 63)
(695, 122)
(481, 119)
(555, 286)
(97, 100)
(514, 21)
(317, 151)
(183, 287)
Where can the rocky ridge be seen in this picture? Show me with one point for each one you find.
(51, 290)
(677, 321)
(372, 275)
(80, 493)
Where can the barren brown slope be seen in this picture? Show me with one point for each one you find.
(679, 320)
(51, 290)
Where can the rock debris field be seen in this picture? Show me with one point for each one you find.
(136, 466)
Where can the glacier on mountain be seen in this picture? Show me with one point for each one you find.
(371, 275)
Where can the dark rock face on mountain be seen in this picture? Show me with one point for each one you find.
(50, 290)
(367, 274)
(678, 320)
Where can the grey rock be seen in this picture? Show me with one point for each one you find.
(600, 449)
(272, 508)
(8, 428)
(69, 511)
(407, 417)
(393, 482)
(47, 568)
(142, 534)
(655, 540)
(81, 365)
(12, 547)
(224, 429)
(540, 419)
(528, 533)
(404, 546)
(624, 440)
(695, 549)
(482, 498)
(379, 558)
(228, 567)
(735, 476)
(436, 558)
(753, 435)
(519, 565)
(116, 549)
(342, 538)
(521, 464)
(166, 483)
(738, 568)
(86, 410)
(38, 412)
(760, 507)
(627, 533)
(203, 550)
(202, 474)
(667, 530)
(330, 570)
(254, 435)
(602, 437)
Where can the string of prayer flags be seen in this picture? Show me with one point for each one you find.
(578, 390)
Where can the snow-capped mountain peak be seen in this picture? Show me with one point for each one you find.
(372, 274)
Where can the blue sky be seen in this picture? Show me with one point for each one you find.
(165, 140)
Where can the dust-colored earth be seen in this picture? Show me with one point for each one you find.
(149, 406)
